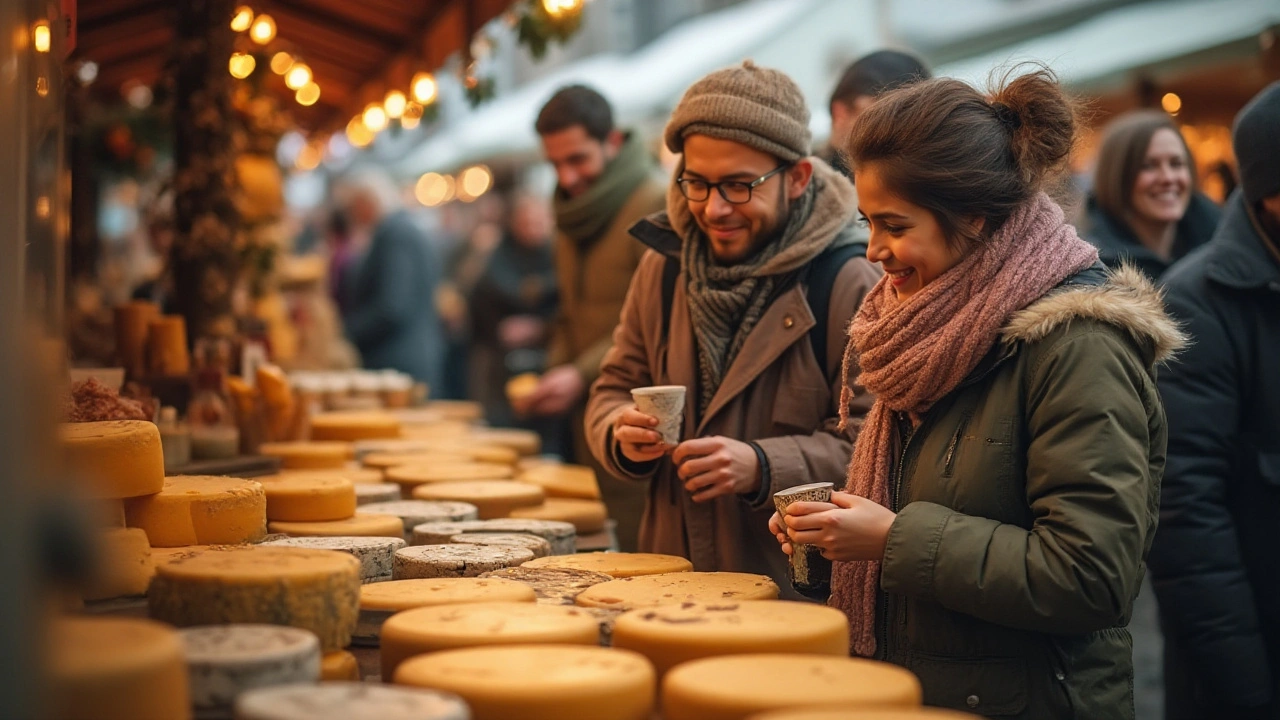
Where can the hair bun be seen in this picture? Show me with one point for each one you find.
(1040, 117)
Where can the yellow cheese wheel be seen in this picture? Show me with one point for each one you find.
(379, 601)
(124, 564)
(352, 426)
(386, 460)
(587, 516)
(355, 474)
(339, 665)
(492, 498)
(540, 682)
(563, 481)
(521, 386)
(161, 556)
(309, 455)
(458, 410)
(113, 668)
(371, 525)
(842, 713)
(309, 498)
(525, 442)
(617, 565)
(411, 476)
(116, 458)
(201, 510)
(675, 588)
(316, 590)
(674, 634)
(736, 686)
(445, 627)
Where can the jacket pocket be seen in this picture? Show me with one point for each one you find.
(991, 687)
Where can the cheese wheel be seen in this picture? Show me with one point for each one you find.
(674, 588)
(201, 510)
(534, 544)
(839, 713)
(352, 426)
(400, 445)
(674, 634)
(355, 474)
(339, 665)
(492, 498)
(370, 493)
(417, 512)
(563, 481)
(445, 561)
(411, 476)
(226, 660)
(376, 554)
(316, 590)
(525, 442)
(116, 458)
(359, 526)
(521, 386)
(618, 565)
(461, 410)
(533, 462)
(309, 498)
(309, 455)
(124, 564)
(382, 600)
(561, 535)
(540, 682)
(113, 668)
(349, 701)
(167, 354)
(445, 627)
(554, 586)
(162, 556)
(587, 516)
(386, 460)
(736, 686)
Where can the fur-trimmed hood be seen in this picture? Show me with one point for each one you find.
(1127, 299)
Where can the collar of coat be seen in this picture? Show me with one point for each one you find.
(1238, 257)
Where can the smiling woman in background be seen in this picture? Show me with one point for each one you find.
(1145, 208)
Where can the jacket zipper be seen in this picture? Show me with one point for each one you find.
(908, 434)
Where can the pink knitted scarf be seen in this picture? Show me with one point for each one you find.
(913, 353)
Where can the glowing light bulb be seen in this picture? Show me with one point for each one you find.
(40, 36)
(243, 18)
(358, 134)
(241, 65)
(281, 62)
(1171, 103)
(474, 182)
(424, 88)
(374, 117)
(395, 104)
(263, 30)
(298, 76)
(308, 94)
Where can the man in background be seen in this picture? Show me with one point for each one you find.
(862, 82)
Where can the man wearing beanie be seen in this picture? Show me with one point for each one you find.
(1216, 561)
(752, 276)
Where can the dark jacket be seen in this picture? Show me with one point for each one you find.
(1118, 244)
(1216, 561)
(1026, 503)
(390, 313)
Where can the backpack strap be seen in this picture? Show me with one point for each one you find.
(670, 271)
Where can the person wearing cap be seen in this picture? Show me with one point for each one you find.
(727, 303)
(866, 79)
(1215, 563)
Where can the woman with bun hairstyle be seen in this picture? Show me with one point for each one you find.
(1003, 490)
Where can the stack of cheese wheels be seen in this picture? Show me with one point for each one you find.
(369, 493)
(417, 512)
(445, 627)
(410, 477)
(201, 510)
(554, 586)
(674, 634)
(561, 535)
(352, 426)
(617, 565)
(111, 668)
(376, 554)
(492, 498)
(587, 516)
(309, 498)
(646, 591)
(446, 561)
(227, 660)
(381, 601)
(534, 544)
(316, 590)
(339, 665)
(736, 686)
(525, 442)
(124, 566)
(561, 481)
(839, 713)
(540, 682)
(349, 701)
(309, 455)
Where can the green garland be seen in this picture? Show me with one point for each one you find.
(536, 28)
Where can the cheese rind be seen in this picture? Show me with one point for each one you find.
(309, 455)
(376, 554)
(201, 510)
(382, 600)
(352, 426)
(339, 665)
(369, 493)
(617, 565)
(587, 516)
(309, 498)
(349, 701)
(113, 668)
(445, 627)
(561, 535)
(446, 561)
(368, 525)
(563, 481)
(116, 458)
(227, 660)
(493, 498)
(673, 588)
(540, 682)
(417, 512)
(534, 544)
(124, 565)
(554, 586)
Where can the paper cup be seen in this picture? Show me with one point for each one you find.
(813, 492)
(665, 402)
(809, 572)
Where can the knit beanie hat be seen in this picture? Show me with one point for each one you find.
(1256, 141)
(758, 107)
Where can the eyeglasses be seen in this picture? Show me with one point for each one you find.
(737, 192)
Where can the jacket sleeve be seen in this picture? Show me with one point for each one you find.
(1197, 570)
(1091, 413)
(398, 276)
(823, 455)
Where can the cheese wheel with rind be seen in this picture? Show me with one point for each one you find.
(124, 565)
(369, 525)
(382, 600)
(352, 426)
(563, 481)
(370, 493)
(117, 459)
(554, 586)
(561, 535)
(376, 554)
(305, 455)
(355, 474)
(201, 510)
(445, 561)
(617, 565)
(673, 588)
(384, 461)
(412, 476)
(534, 544)
(417, 512)
(493, 498)
(839, 713)
(587, 516)
(114, 668)
(339, 665)
(525, 442)
(349, 701)
(226, 660)
(309, 498)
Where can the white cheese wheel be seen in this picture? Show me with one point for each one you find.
(309, 498)
(226, 660)
(365, 525)
(417, 512)
(369, 493)
(376, 554)
(445, 561)
(534, 544)
(617, 565)
(338, 666)
(352, 426)
(561, 535)
(674, 588)
(113, 668)
(382, 600)
(563, 481)
(540, 682)
(554, 586)
(116, 458)
(587, 516)
(349, 701)
(493, 498)
(201, 510)
(309, 455)
(124, 564)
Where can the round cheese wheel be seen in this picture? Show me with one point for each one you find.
(316, 590)
(540, 682)
(349, 701)
(359, 526)
(355, 474)
(417, 512)
(839, 713)
(444, 627)
(554, 586)
(201, 510)
(526, 464)
(369, 493)
(309, 455)
(114, 668)
(521, 386)
(587, 516)
(382, 600)
(673, 634)
(124, 565)
(387, 460)
(116, 458)
(561, 535)
(736, 686)
(445, 561)
(339, 665)
(309, 498)
(492, 498)
(400, 445)
(226, 660)
(618, 565)
(525, 442)
(411, 476)
(563, 481)
(460, 410)
(674, 588)
(352, 426)
(376, 554)
(534, 544)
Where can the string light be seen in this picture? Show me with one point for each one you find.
(560, 8)
(263, 30)
(374, 117)
(309, 158)
(474, 182)
(242, 19)
(424, 88)
(412, 116)
(281, 62)
(241, 65)
(434, 189)
(40, 36)
(358, 134)
(1171, 103)
(298, 76)
(308, 94)
(395, 104)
